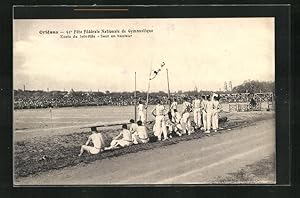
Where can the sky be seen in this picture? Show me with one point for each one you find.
(202, 53)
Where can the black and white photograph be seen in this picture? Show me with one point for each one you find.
(144, 101)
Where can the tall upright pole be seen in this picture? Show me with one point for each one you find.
(169, 102)
(135, 96)
(50, 109)
(147, 99)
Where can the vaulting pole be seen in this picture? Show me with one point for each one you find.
(147, 99)
(135, 96)
(169, 101)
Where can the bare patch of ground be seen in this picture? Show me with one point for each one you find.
(260, 172)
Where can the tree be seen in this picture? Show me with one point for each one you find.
(251, 86)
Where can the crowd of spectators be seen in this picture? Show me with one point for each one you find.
(43, 99)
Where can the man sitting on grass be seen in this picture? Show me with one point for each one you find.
(125, 141)
(97, 140)
(141, 135)
(133, 127)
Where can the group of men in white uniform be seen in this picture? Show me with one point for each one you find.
(206, 116)
(136, 134)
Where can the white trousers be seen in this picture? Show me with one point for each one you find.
(197, 117)
(204, 118)
(160, 127)
(215, 121)
(186, 123)
(141, 116)
(209, 117)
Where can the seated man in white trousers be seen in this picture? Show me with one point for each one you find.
(97, 140)
(126, 139)
(173, 125)
(140, 135)
(133, 127)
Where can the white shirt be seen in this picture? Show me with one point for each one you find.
(209, 105)
(126, 135)
(140, 107)
(203, 104)
(174, 105)
(159, 109)
(197, 103)
(216, 105)
(186, 107)
(142, 132)
(96, 140)
(133, 127)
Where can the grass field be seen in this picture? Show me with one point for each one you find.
(62, 150)
(57, 118)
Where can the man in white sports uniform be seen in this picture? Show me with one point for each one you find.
(174, 125)
(197, 111)
(174, 107)
(209, 114)
(141, 112)
(133, 127)
(126, 139)
(141, 135)
(216, 110)
(203, 108)
(186, 120)
(97, 140)
(160, 123)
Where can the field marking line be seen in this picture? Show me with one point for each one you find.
(54, 122)
(220, 151)
(172, 179)
(46, 129)
(63, 117)
(87, 125)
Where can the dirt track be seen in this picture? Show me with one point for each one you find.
(196, 161)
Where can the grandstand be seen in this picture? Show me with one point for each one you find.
(42, 99)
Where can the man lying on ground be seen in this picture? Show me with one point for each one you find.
(126, 139)
(97, 140)
(141, 135)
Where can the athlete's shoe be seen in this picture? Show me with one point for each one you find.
(206, 132)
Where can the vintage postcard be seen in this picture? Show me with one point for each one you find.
(144, 101)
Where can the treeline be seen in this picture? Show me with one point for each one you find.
(252, 86)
